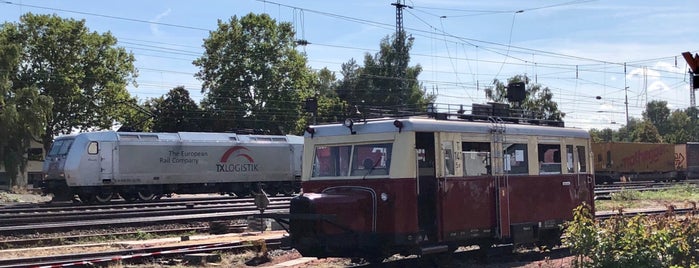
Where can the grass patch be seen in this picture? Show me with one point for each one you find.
(637, 199)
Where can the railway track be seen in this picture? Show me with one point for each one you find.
(169, 252)
(134, 255)
(46, 219)
(605, 191)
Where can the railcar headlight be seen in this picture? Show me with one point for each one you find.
(384, 197)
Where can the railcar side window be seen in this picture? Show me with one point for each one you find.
(549, 159)
(516, 159)
(476, 160)
(371, 159)
(93, 148)
(60, 147)
(331, 161)
(582, 159)
(570, 158)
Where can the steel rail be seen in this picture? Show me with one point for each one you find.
(131, 255)
(137, 220)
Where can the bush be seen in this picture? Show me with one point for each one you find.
(640, 241)
(625, 195)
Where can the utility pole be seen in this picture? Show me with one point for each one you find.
(402, 63)
(399, 14)
(626, 97)
(626, 102)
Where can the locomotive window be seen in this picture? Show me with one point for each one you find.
(93, 148)
(60, 147)
(582, 163)
(516, 159)
(371, 159)
(331, 161)
(549, 159)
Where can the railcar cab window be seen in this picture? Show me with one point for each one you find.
(516, 159)
(60, 147)
(366, 160)
(371, 159)
(549, 159)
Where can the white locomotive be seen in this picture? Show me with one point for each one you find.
(96, 166)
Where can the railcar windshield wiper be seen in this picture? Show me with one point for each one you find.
(373, 166)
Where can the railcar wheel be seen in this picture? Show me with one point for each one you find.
(104, 197)
(145, 195)
(374, 260)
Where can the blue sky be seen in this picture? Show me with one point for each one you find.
(576, 48)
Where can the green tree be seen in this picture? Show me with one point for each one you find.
(628, 132)
(538, 100)
(176, 112)
(680, 128)
(23, 113)
(330, 108)
(386, 82)
(83, 72)
(647, 132)
(604, 135)
(658, 114)
(252, 75)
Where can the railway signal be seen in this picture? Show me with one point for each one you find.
(693, 62)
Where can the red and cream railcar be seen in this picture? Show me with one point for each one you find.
(420, 185)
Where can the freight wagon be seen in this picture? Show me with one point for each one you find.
(97, 166)
(633, 161)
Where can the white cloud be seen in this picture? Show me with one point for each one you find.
(659, 86)
(153, 26)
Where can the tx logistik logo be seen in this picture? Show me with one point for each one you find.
(240, 162)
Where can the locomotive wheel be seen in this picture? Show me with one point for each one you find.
(271, 191)
(104, 197)
(86, 198)
(241, 193)
(287, 189)
(129, 197)
(145, 195)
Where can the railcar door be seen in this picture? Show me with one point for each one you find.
(426, 185)
(106, 150)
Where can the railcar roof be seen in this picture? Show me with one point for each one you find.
(434, 125)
